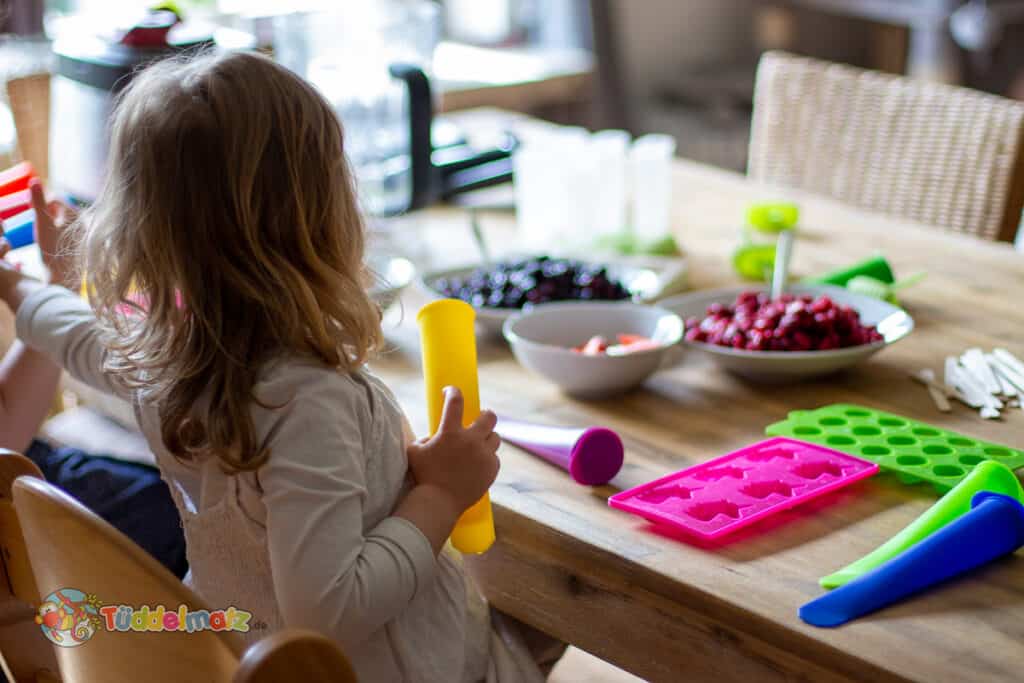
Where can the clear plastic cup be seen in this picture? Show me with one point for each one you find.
(610, 156)
(650, 160)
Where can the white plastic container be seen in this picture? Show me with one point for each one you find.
(650, 160)
(609, 200)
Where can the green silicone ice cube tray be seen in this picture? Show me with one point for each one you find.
(915, 451)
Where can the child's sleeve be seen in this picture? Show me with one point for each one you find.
(328, 574)
(60, 324)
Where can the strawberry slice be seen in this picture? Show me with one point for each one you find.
(626, 339)
(642, 344)
(595, 346)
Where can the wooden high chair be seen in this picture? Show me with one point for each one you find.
(24, 656)
(70, 547)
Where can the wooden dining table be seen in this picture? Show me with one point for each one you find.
(668, 610)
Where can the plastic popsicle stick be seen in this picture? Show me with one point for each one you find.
(977, 396)
(1009, 360)
(783, 254)
(19, 229)
(987, 476)
(592, 456)
(1006, 386)
(16, 178)
(992, 528)
(952, 379)
(974, 360)
(448, 344)
(1016, 379)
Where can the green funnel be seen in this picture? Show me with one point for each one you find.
(987, 476)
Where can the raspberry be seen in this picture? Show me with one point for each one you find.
(790, 323)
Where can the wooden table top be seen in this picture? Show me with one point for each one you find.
(668, 610)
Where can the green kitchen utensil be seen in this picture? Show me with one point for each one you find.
(876, 267)
(773, 217)
(988, 475)
(754, 258)
(754, 261)
(873, 287)
(914, 451)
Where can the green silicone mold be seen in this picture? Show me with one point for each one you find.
(987, 476)
(914, 451)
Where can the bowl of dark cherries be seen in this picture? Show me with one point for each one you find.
(501, 290)
(810, 331)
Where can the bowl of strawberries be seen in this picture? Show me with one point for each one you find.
(811, 330)
(594, 350)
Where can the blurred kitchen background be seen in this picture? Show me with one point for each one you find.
(682, 67)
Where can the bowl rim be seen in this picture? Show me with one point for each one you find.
(423, 281)
(796, 355)
(381, 285)
(513, 338)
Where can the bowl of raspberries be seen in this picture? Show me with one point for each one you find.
(809, 331)
(502, 290)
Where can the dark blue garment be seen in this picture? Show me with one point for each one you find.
(130, 496)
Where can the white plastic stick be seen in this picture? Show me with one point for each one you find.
(1008, 359)
(1006, 387)
(974, 361)
(952, 379)
(974, 392)
(1010, 376)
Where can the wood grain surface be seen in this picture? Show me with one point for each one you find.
(668, 610)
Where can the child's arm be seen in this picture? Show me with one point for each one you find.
(28, 379)
(328, 574)
(59, 324)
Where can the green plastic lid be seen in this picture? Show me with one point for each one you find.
(773, 216)
(754, 261)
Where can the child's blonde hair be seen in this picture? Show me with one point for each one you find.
(228, 204)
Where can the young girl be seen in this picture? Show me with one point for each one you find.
(228, 203)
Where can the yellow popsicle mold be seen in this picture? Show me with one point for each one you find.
(449, 360)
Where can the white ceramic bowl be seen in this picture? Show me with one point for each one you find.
(542, 340)
(490, 320)
(394, 275)
(892, 322)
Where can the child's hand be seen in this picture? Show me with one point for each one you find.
(14, 285)
(459, 462)
(51, 219)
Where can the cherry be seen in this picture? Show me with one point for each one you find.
(790, 323)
